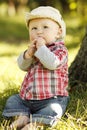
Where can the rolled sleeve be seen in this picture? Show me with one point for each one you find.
(47, 58)
(24, 64)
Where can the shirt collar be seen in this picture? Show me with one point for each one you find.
(56, 43)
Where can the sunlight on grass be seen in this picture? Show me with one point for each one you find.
(10, 73)
(7, 50)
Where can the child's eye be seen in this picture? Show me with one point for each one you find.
(45, 26)
(34, 28)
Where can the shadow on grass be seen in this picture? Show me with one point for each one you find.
(12, 31)
(78, 101)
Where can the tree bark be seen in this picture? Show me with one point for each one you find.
(11, 8)
(78, 68)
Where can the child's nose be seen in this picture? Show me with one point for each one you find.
(39, 30)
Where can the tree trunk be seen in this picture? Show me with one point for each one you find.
(11, 8)
(78, 68)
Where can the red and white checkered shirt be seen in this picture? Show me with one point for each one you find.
(41, 83)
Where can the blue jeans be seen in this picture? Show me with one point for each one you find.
(46, 111)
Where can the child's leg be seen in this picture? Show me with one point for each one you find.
(15, 107)
(33, 126)
(52, 111)
(30, 126)
(20, 122)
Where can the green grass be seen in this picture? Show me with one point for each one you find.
(13, 40)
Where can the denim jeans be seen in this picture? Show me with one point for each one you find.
(46, 111)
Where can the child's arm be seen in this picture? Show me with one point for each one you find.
(26, 58)
(23, 63)
(51, 60)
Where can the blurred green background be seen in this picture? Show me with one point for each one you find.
(13, 30)
(14, 39)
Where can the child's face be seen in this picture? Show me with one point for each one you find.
(44, 28)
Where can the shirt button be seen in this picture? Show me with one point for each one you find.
(55, 96)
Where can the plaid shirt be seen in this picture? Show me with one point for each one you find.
(41, 83)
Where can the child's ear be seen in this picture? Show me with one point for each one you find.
(59, 33)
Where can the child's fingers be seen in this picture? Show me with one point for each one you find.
(33, 44)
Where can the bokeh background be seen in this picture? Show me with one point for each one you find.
(14, 39)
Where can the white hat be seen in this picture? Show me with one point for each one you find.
(47, 12)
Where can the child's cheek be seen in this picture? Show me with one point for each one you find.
(32, 38)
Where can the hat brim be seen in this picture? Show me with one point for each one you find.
(30, 16)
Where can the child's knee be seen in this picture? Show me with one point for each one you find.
(11, 101)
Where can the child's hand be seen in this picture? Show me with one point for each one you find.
(30, 51)
(40, 42)
(37, 43)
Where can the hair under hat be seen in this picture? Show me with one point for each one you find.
(47, 12)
